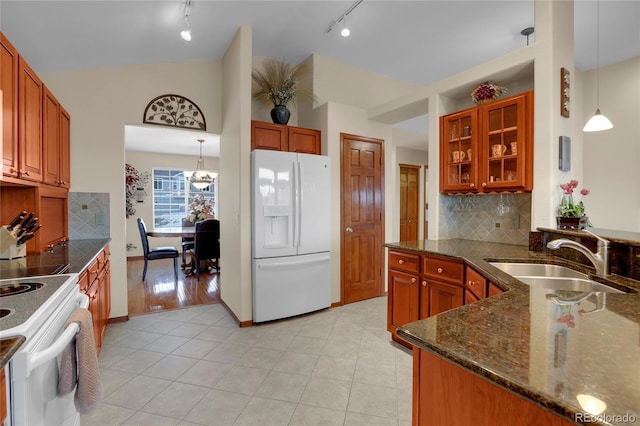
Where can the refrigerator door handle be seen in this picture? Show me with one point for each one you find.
(293, 264)
(299, 202)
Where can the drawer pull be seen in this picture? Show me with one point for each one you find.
(413, 280)
(471, 283)
(401, 262)
(424, 283)
(440, 270)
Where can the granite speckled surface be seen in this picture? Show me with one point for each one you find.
(8, 347)
(523, 341)
(77, 254)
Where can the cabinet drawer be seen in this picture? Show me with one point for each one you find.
(443, 269)
(494, 290)
(476, 283)
(92, 270)
(404, 261)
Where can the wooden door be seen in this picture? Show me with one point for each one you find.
(362, 211)
(409, 200)
(65, 148)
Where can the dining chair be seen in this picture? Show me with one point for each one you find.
(187, 244)
(156, 252)
(207, 244)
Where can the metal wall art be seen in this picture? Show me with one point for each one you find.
(176, 111)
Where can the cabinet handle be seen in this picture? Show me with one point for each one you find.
(413, 280)
(401, 262)
(25, 172)
(471, 283)
(424, 283)
(440, 270)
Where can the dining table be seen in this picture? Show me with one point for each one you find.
(176, 231)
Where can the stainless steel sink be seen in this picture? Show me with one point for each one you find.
(553, 277)
(569, 284)
(537, 270)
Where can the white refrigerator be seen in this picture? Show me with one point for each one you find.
(291, 207)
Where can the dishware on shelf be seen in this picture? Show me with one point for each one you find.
(514, 148)
(458, 156)
(498, 150)
(469, 152)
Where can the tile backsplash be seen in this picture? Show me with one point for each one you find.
(88, 215)
(501, 218)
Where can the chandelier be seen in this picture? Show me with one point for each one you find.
(200, 178)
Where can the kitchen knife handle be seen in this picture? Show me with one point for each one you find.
(16, 220)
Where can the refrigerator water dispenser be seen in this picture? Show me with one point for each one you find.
(276, 229)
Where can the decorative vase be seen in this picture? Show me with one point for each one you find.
(571, 222)
(280, 114)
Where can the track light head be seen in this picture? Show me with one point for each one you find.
(345, 32)
(186, 34)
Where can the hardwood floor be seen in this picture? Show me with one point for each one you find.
(161, 292)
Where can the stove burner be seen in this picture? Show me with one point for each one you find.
(13, 289)
(5, 312)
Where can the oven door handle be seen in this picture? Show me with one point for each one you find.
(56, 348)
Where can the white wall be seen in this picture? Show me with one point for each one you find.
(145, 162)
(235, 184)
(101, 102)
(612, 157)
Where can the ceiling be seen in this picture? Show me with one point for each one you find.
(417, 41)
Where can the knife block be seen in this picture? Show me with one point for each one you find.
(8, 247)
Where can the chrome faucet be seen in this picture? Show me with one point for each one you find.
(600, 259)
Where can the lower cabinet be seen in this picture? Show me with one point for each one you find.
(421, 286)
(446, 394)
(95, 282)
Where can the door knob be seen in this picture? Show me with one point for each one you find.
(349, 229)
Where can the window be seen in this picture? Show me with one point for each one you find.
(172, 196)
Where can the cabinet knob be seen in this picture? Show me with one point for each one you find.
(440, 270)
(471, 283)
(472, 185)
(401, 262)
(25, 172)
(12, 170)
(484, 184)
(413, 280)
(424, 283)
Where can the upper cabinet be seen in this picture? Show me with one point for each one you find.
(285, 138)
(35, 135)
(488, 148)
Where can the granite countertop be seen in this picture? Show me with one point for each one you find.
(75, 253)
(521, 340)
(8, 347)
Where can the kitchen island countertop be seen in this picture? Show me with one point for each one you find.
(522, 341)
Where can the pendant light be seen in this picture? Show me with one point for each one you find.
(201, 178)
(188, 8)
(598, 122)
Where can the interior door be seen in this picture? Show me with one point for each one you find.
(409, 199)
(362, 211)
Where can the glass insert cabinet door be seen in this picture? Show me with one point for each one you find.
(503, 144)
(459, 144)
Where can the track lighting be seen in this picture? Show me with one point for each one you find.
(188, 9)
(345, 32)
(598, 122)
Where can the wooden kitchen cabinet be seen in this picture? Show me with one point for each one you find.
(488, 148)
(55, 141)
(52, 212)
(95, 282)
(30, 158)
(446, 394)
(9, 87)
(281, 137)
(475, 286)
(421, 286)
(3, 396)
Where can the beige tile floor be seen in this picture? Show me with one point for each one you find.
(194, 366)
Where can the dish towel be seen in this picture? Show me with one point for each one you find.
(79, 365)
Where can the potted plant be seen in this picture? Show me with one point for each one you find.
(572, 214)
(276, 84)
